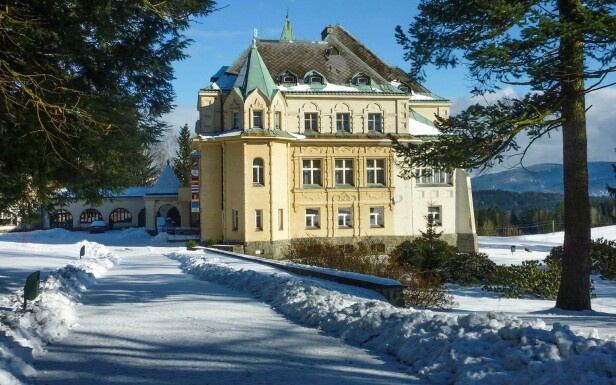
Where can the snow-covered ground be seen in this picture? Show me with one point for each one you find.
(126, 313)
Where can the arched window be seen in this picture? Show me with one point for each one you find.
(61, 219)
(258, 172)
(90, 215)
(120, 216)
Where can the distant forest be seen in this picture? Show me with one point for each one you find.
(506, 213)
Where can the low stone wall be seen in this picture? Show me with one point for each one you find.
(393, 292)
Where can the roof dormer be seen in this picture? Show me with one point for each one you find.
(361, 79)
(314, 77)
(287, 78)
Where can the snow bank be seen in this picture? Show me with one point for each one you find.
(50, 316)
(488, 348)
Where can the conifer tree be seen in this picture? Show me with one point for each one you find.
(83, 87)
(557, 50)
(182, 163)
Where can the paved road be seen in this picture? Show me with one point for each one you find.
(146, 322)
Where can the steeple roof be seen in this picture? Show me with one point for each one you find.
(167, 183)
(254, 74)
(287, 30)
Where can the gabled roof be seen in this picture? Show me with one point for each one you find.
(254, 75)
(167, 183)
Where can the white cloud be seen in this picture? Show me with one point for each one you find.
(600, 129)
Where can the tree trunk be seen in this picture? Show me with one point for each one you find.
(574, 290)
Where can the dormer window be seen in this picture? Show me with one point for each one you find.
(332, 51)
(313, 77)
(361, 79)
(287, 78)
(404, 88)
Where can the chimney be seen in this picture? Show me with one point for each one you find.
(326, 31)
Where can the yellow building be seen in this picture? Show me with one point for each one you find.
(293, 143)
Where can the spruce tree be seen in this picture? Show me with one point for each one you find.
(83, 87)
(557, 50)
(182, 163)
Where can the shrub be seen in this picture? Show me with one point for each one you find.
(423, 290)
(468, 269)
(427, 253)
(530, 279)
(191, 244)
(602, 256)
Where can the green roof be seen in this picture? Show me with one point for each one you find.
(254, 74)
(287, 31)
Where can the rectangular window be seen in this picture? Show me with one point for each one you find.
(376, 217)
(277, 119)
(432, 176)
(434, 215)
(280, 219)
(311, 122)
(312, 218)
(236, 119)
(259, 219)
(343, 122)
(344, 217)
(235, 220)
(257, 119)
(374, 122)
(311, 172)
(375, 171)
(343, 170)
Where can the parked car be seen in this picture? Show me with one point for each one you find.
(98, 226)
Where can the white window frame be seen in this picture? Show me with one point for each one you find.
(277, 119)
(259, 219)
(435, 215)
(258, 172)
(343, 172)
(312, 218)
(345, 217)
(375, 121)
(343, 122)
(310, 168)
(257, 115)
(430, 176)
(377, 217)
(311, 121)
(375, 171)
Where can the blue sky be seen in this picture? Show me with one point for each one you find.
(222, 36)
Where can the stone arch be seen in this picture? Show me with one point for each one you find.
(90, 215)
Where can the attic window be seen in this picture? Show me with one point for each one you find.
(287, 78)
(404, 88)
(315, 79)
(361, 79)
(332, 51)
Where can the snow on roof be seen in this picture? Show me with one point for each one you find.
(415, 96)
(420, 125)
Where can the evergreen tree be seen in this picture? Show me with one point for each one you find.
(550, 47)
(612, 190)
(83, 87)
(182, 163)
